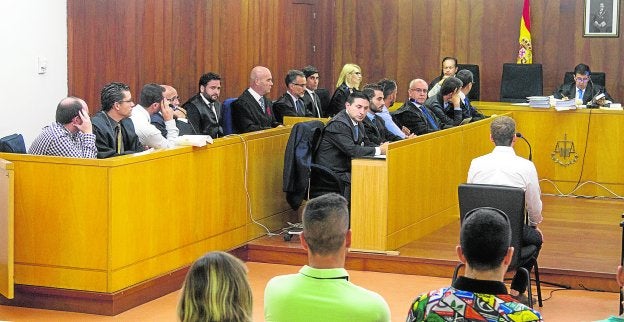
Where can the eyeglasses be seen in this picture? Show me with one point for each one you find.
(126, 101)
(172, 99)
(302, 85)
(418, 90)
(581, 79)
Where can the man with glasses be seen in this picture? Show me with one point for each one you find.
(152, 102)
(414, 115)
(204, 109)
(449, 69)
(113, 129)
(582, 89)
(292, 102)
(179, 114)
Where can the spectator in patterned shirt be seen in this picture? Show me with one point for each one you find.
(485, 239)
(71, 135)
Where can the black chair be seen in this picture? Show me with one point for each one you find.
(13, 143)
(226, 116)
(475, 93)
(520, 81)
(510, 200)
(598, 78)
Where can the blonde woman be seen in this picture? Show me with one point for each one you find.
(216, 289)
(349, 80)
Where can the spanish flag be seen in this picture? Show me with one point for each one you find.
(525, 54)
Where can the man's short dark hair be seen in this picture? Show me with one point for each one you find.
(485, 237)
(582, 69)
(388, 86)
(67, 109)
(309, 71)
(465, 76)
(150, 94)
(291, 76)
(369, 90)
(450, 85)
(325, 223)
(206, 78)
(112, 93)
(357, 94)
(503, 130)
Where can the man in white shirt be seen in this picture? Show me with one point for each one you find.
(152, 101)
(504, 167)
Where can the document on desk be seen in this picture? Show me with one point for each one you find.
(194, 140)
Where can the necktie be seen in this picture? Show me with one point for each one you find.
(580, 94)
(429, 118)
(299, 107)
(317, 104)
(261, 101)
(214, 111)
(119, 138)
(357, 133)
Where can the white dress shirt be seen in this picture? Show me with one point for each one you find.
(148, 134)
(504, 167)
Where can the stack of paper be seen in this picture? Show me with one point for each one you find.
(539, 101)
(564, 105)
(194, 140)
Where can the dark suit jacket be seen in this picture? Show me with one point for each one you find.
(105, 140)
(158, 121)
(434, 82)
(337, 102)
(248, 116)
(285, 106)
(449, 117)
(338, 145)
(325, 97)
(202, 118)
(412, 118)
(470, 111)
(377, 132)
(569, 90)
(314, 107)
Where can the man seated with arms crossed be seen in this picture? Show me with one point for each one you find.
(321, 291)
(418, 118)
(504, 167)
(113, 129)
(374, 125)
(344, 138)
(583, 89)
(152, 102)
(446, 104)
(71, 135)
(480, 295)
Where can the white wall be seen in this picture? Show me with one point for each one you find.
(30, 29)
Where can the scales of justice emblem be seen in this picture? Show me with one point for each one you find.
(564, 152)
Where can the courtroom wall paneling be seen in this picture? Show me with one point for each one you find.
(175, 41)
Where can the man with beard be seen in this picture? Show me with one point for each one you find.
(204, 110)
(374, 125)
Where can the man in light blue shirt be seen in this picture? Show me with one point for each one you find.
(321, 291)
(389, 91)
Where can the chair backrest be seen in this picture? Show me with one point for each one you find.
(301, 145)
(510, 200)
(598, 78)
(325, 97)
(13, 143)
(521, 80)
(475, 93)
(226, 116)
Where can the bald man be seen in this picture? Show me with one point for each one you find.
(252, 111)
(71, 135)
(414, 115)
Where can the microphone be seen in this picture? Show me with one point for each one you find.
(529, 144)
